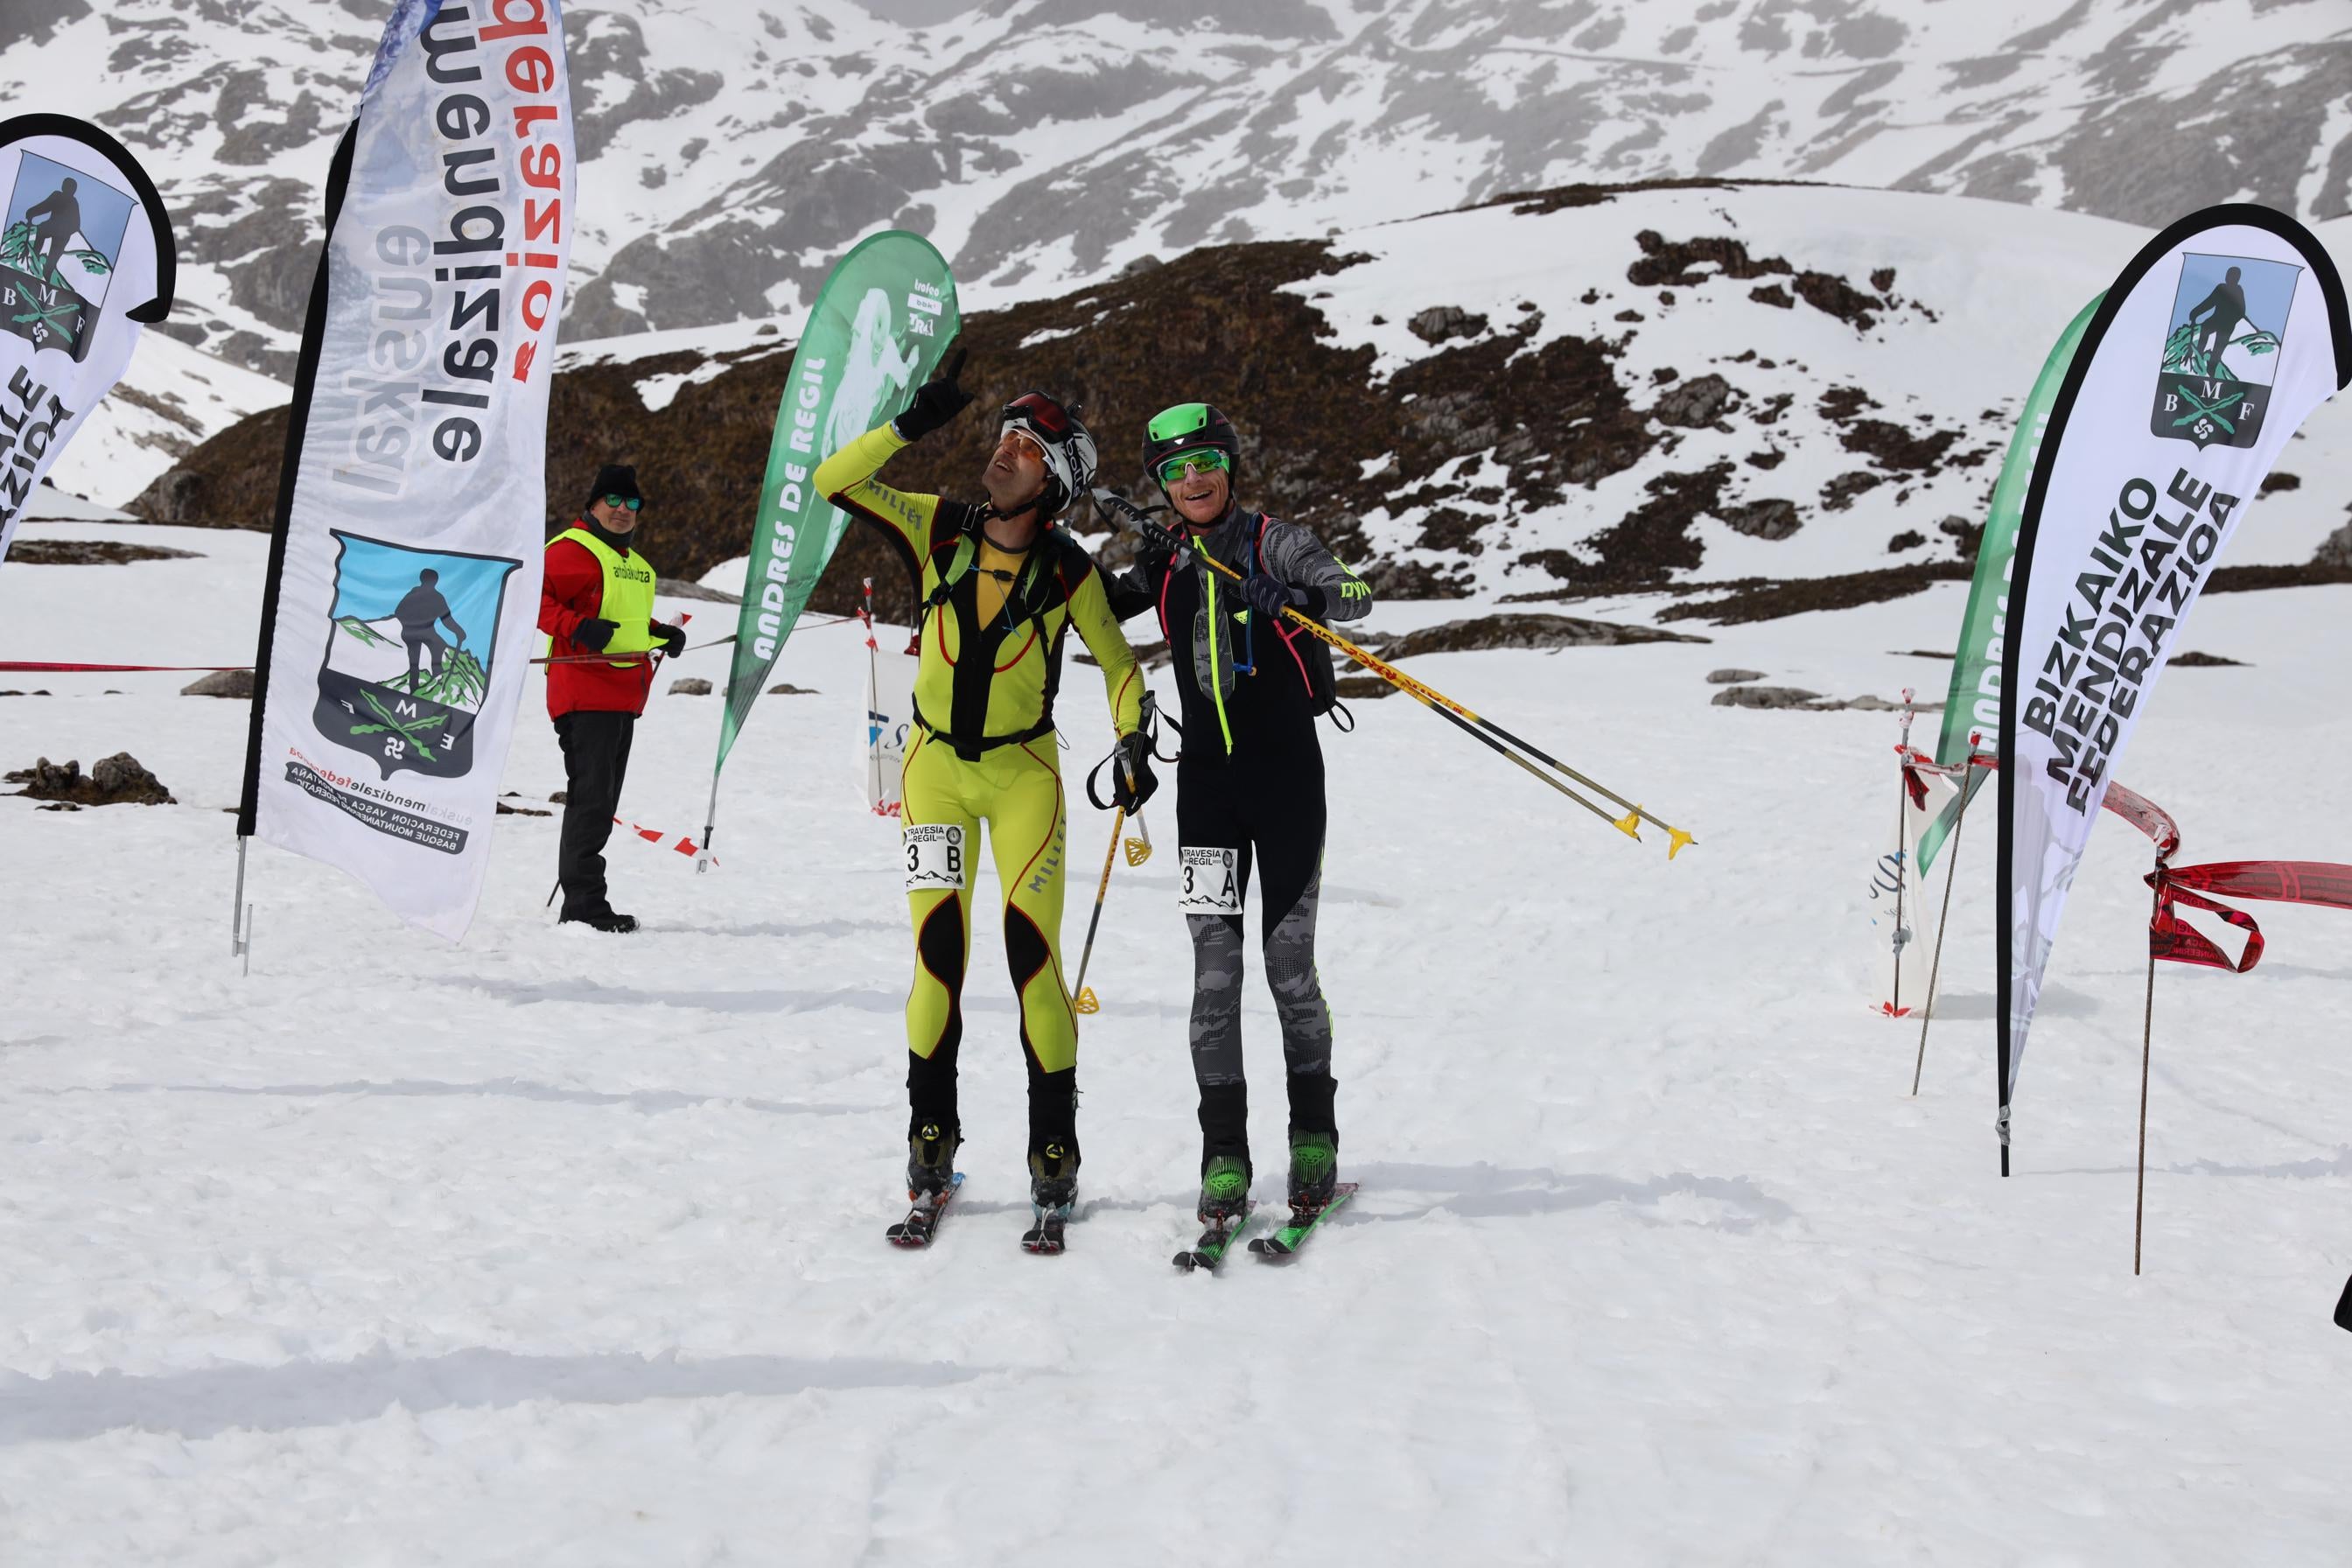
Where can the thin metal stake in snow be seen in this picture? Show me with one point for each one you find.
(1936, 964)
(1902, 851)
(2147, 1033)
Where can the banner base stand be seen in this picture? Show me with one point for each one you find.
(240, 916)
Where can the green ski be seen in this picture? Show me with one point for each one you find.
(1292, 1236)
(1215, 1243)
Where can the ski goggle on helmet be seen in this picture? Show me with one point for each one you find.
(1062, 442)
(1188, 438)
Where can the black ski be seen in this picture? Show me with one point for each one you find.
(1045, 1238)
(1287, 1240)
(1215, 1243)
(923, 1217)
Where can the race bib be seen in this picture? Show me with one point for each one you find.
(1209, 881)
(936, 856)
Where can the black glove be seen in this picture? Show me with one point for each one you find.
(1132, 756)
(672, 639)
(1117, 509)
(1269, 597)
(594, 634)
(935, 403)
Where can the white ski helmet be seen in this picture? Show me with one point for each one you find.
(1069, 447)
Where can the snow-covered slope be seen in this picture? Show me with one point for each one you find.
(550, 1250)
(731, 151)
(1832, 442)
(170, 400)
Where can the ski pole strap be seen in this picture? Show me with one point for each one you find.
(1096, 801)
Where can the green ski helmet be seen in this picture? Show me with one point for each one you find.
(1188, 428)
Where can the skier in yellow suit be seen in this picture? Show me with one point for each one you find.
(1000, 586)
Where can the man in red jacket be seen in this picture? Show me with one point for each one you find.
(597, 596)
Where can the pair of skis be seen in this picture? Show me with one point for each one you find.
(1047, 1238)
(1210, 1250)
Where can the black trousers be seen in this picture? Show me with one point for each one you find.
(596, 761)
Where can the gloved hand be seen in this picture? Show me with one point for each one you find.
(1132, 756)
(1269, 595)
(935, 402)
(672, 639)
(1117, 509)
(592, 633)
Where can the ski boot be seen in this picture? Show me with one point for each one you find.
(1224, 1190)
(1314, 1170)
(931, 1182)
(1053, 1189)
(930, 1161)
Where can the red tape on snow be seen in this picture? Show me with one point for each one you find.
(677, 841)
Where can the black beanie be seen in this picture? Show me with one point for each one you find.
(615, 479)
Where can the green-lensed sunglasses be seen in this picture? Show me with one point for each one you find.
(631, 502)
(1205, 460)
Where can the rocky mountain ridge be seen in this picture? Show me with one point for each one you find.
(1769, 397)
(728, 152)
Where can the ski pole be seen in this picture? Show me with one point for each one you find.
(1488, 731)
(1138, 849)
(1083, 1000)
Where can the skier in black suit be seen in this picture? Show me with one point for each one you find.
(2224, 308)
(56, 219)
(418, 612)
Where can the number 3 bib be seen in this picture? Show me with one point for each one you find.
(936, 856)
(1210, 882)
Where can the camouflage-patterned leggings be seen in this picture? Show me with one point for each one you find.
(1275, 824)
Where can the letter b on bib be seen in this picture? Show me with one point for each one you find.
(937, 856)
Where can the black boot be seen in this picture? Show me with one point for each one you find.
(603, 920)
(931, 1158)
(1053, 1137)
(1314, 1140)
(1224, 1123)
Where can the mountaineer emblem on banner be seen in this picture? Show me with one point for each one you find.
(2221, 348)
(408, 646)
(58, 254)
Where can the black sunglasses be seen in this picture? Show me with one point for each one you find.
(631, 502)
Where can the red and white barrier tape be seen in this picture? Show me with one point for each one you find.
(36, 667)
(654, 835)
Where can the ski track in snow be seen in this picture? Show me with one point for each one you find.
(552, 1248)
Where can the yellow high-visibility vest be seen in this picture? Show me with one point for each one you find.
(628, 598)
